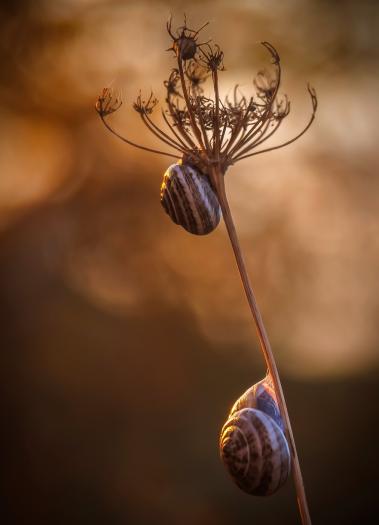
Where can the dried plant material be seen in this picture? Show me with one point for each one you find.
(210, 135)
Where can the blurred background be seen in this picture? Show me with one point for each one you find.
(125, 340)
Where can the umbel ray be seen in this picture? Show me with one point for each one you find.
(209, 135)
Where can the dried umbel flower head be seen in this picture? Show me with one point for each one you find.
(108, 102)
(208, 133)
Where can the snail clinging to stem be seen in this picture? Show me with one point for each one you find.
(189, 199)
(253, 446)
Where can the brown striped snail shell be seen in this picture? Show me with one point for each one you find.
(189, 199)
(252, 443)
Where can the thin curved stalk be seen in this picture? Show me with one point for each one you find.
(223, 134)
(218, 181)
(161, 135)
(312, 93)
(262, 137)
(185, 146)
(124, 139)
(195, 129)
(238, 157)
(248, 135)
(216, 135)
(202, 126)
(179, 126)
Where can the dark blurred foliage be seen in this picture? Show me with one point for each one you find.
(125, 340)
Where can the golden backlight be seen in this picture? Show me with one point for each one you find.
(124, 337)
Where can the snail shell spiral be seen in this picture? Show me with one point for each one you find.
(252, 443)
(189, 199)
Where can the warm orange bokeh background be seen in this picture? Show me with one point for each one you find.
(124, 339)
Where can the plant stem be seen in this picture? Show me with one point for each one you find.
(218, 181)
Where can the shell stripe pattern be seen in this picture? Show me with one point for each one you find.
(189, 199)
(252, 442)
(255, 451)
(261, 396)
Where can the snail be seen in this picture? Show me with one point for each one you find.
(189, 199)
(253, 446)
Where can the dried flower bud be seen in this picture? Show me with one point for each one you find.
(185, 47)
(145, 106)
(108, 102)
(185, 42)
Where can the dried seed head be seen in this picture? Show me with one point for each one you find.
(108, 102)
(172, 84)
(212, 58)
(145, 107)
(185, 47)
(184, 43)
(196, 76)
(209, 133)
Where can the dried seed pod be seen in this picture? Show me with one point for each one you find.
(185, 47)
(252, 443)
(189, 199)
(185, 41)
